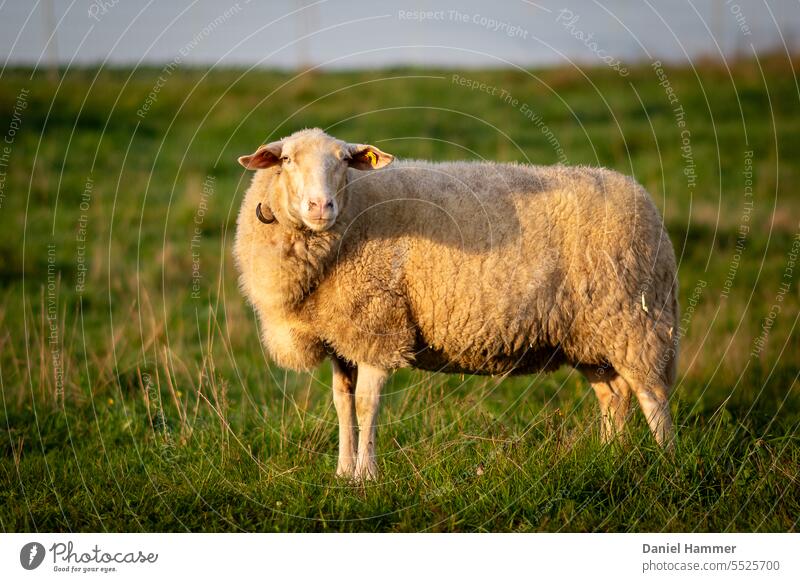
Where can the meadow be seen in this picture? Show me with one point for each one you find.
(136, 395)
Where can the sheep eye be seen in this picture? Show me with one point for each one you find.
(286, 160)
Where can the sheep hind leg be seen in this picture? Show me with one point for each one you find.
(344, 383)
(614, 395)
(368, 391)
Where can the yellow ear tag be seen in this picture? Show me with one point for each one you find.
(373, 159)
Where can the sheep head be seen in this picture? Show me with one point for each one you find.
(311, 174)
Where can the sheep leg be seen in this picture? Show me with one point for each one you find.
(368, 391)
(614, 395)
(653, 397)
(344, 383)
(615, 403)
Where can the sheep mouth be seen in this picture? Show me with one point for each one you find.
(319, 224)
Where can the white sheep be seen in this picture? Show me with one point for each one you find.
(481, 268)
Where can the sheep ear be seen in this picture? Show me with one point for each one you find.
(367, 157)
(264, 157)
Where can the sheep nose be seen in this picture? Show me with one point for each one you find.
(326, 205)
(320, 208)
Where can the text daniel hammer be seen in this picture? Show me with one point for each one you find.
(687, 549)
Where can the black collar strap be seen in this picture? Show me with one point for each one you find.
(268, 219)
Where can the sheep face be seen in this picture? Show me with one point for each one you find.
(311, 174)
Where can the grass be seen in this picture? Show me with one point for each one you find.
(143, 401)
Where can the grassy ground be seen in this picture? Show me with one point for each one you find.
(136, 395)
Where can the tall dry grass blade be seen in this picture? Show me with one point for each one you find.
(162, 417)
(410, 462)
(146, 396)
(176, 362)
(171, 388)
(17, 451)
(219, 399)
(200, 376)
(156, 326)
(40, 342)
(16, 360)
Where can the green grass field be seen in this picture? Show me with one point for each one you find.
(136, 395)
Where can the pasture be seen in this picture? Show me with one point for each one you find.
(136, 395)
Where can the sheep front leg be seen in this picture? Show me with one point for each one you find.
(654, 402)
(344, 383)
(653, 396)
(368, 392)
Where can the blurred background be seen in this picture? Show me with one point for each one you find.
(343, 34)
(135, 391)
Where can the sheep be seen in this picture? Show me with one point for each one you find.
(457, 267)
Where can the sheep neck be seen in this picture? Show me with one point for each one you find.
(301, 262)
(296, 258)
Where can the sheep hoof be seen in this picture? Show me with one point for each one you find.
(366, 472)
(616, 438)
(345, 471)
